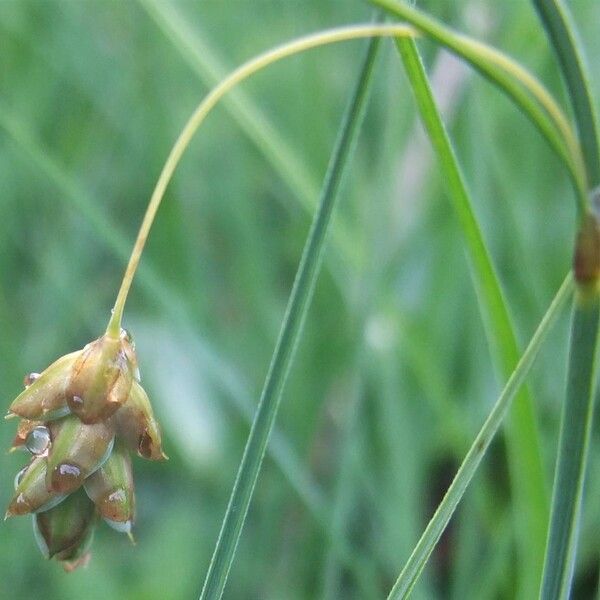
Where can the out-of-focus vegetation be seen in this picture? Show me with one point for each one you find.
(393, 376)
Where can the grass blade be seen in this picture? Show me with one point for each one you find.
(577, 416)
(468, 467)
(578, 409)
(524, 456)
(573, 447)
(288, 338)
(557, 21)
(518, 84)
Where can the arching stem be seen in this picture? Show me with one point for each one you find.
(256, 64)
(477, 52)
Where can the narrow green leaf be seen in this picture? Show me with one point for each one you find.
(288, 339)
(558, 23)
(524, 456)
(573, 449)
(468, 467)
(518, 84)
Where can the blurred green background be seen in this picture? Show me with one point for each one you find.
(393, 376)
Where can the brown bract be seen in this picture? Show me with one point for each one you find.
(586, 262)
(136, 425)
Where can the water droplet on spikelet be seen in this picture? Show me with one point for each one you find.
(38, 440)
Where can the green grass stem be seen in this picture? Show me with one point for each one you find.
(573, 449)
(578, 408)
(436, 526)
(521, 86)
(529, 494)
(558, 23)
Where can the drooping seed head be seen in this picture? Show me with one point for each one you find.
(80, 418)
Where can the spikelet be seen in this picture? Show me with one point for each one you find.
(80, 418)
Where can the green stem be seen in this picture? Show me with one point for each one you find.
(243, 72)
(523, 446)
(573, 448)
(558, 24)
(427, 542)
(519, 85)
(288, 339)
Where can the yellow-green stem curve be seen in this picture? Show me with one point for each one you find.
(208, 103)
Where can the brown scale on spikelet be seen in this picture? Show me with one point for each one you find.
(80, 418)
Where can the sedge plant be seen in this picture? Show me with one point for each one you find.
(81, 417)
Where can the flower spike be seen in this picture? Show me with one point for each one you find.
(79, 420)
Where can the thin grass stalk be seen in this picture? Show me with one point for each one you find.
(436, 526)
(243, 72)
(260, 130)
(288, 339)
(517, 83)
(578, 408)
(573, 449)
(559, 27)
(523, 445)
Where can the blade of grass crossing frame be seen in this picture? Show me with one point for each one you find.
(573, 447)
(288, 338)
(427, 542)
(524, 456)
(578, 408)
(557, 21)
(518, 84)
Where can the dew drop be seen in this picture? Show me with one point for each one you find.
(30, 378)
(38, 441)
(114, 506)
